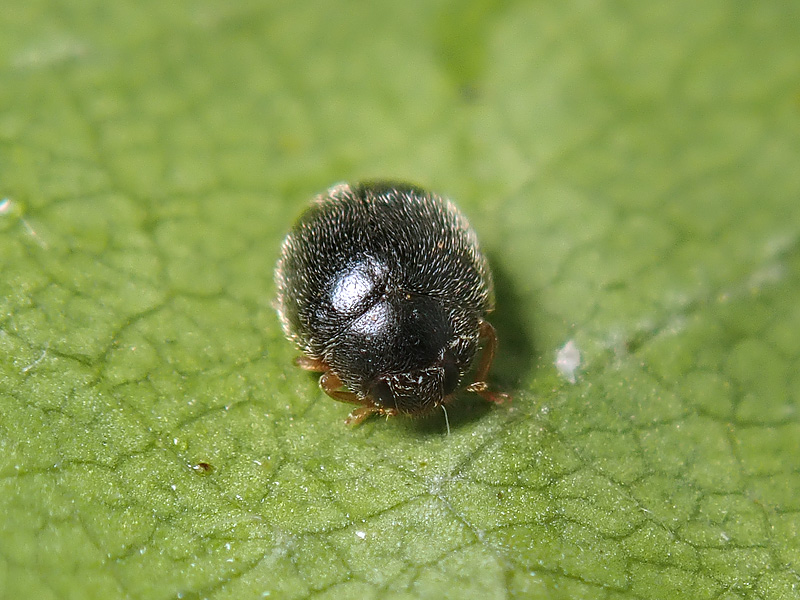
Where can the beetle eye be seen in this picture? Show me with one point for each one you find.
(382, 394)
(451, 374)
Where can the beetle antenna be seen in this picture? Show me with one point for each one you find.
(446, 420)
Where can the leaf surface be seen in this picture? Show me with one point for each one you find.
(632, 171)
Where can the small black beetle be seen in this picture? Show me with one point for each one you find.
(384, 289)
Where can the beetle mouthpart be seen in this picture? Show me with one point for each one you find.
(409, 393)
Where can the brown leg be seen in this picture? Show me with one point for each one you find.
(330, 383)
(360, 414)
(311, 364)
(480, 386)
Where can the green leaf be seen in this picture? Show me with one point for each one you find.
(632, 170)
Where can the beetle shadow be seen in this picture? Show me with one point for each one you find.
(516, 350)
(513, 363)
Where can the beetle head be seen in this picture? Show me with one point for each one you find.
(416, 392)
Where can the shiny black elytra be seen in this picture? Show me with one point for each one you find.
(384, 289)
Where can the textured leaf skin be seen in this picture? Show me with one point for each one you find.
(631, 170)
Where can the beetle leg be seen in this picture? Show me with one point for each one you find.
(360, 414)
(479, 386)
(330, 383)
(311, 364)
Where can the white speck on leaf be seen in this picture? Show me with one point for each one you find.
(362, 535)
(568, 359)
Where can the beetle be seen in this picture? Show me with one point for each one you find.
(384, 289)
